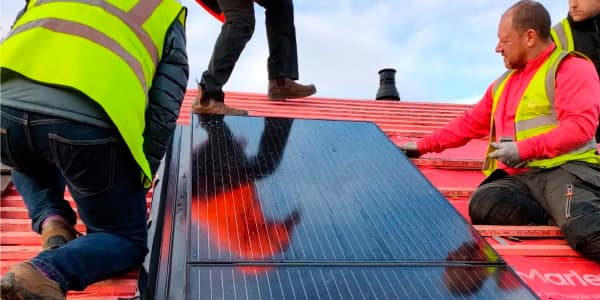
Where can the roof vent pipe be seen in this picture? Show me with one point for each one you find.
(387, 85)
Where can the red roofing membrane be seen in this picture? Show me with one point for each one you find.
(539, 255)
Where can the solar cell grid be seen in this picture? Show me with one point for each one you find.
(313, 190)
(306, 209)
(285, 282)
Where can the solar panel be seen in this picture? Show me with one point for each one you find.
(313, 190)
(281, 208)
(363, 282)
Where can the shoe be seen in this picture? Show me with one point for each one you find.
(23, 281)
(56, 233)
(212, 106)
(217, 108)
(285, 88)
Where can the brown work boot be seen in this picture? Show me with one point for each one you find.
(284, 88)
(212, 106)
(217, 108)
(56, 233)
(23, 281)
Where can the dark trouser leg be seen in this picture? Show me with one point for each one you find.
(235, 33)
(104, 180)
(281, 35)
(40, 183)
(43, 193)
(272, 144)
(505, 201)
(579, 218)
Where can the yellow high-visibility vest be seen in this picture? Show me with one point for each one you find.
(563, 36)
(107, 49)
(536, 115)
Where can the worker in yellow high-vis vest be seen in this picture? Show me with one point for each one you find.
(580, 32)
(91, 91)
(541, 115)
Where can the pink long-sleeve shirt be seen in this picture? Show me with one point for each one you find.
(577, 103)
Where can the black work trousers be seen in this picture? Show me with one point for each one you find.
(237, 31)
(567, 196)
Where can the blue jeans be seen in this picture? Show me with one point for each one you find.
(47, 153)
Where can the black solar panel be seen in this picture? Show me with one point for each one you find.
(272, 208)
(313, 190)
(365, 282)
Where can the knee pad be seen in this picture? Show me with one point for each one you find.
(500, 205)
(583, 234)
(590, 247)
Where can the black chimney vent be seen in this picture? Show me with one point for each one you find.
(387, 85)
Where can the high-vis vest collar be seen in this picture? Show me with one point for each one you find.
(536, 115)
(107, 49)
(562, 36)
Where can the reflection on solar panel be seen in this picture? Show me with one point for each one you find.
(274, 208)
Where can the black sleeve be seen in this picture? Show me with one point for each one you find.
(166, 95)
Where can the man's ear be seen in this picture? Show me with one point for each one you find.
(531, 36)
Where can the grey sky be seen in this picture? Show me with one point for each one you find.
(443, 50)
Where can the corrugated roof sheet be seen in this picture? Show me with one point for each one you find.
(538, 254)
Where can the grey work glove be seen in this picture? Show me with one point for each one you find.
(410, 149)
(507, 153)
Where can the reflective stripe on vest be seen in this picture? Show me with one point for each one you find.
(142, 10)
(562, 36)
(107, 49)
(536, 115)
(491, 164)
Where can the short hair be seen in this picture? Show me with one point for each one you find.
(528, 14)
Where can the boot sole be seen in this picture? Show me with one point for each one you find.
(55, 242)
(57, 236)
(203, 111)
(10, 290)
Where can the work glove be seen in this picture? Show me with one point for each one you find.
(410, 149)
(507, 153)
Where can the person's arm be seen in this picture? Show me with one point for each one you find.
(166, 95)
(472, 124)
(577, 104)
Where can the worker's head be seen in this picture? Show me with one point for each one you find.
(523, 33)
(581, 10)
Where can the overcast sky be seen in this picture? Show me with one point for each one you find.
(443, 50)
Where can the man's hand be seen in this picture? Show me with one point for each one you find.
(410, 149)
(507, 153)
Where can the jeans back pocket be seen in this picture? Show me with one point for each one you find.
(7, 158)
(87, 165)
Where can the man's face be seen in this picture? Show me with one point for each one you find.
(581, 10)
(512, 44)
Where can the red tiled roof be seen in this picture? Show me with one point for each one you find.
(539, 255)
